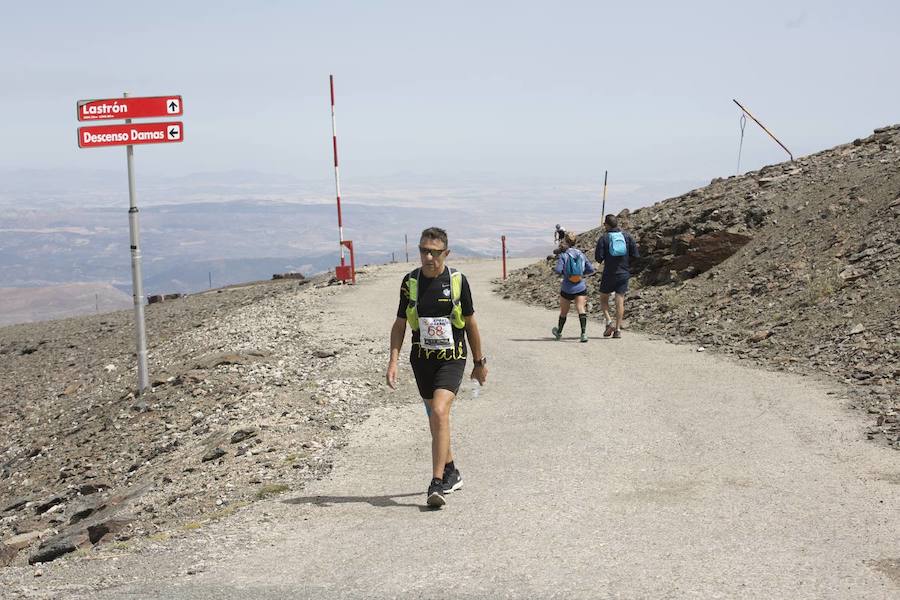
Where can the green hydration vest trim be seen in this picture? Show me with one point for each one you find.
(412, 311)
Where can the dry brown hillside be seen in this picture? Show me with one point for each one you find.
(250, 396)
(796, 266)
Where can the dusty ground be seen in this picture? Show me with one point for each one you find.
(628, 469)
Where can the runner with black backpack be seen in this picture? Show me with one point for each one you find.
(574, 266)
(613, 250)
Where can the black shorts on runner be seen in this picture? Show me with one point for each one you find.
(573, 296)
(619, 285)
(432, 374)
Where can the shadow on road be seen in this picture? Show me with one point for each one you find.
(377, 501)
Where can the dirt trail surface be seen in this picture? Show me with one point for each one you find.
(614, 469)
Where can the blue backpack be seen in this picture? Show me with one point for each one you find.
(574, 267)
(617, 245)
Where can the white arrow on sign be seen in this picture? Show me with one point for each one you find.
(174, 132)
(173, 106)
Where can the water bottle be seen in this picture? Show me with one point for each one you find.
(476, 388)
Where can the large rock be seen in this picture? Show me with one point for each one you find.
(706, 251)
(59, 545)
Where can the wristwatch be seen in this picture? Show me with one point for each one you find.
(480, 363)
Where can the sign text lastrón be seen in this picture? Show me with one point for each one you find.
(147, 107)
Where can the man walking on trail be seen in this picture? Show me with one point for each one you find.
(574, 266)
(437, 303)
(613, 250)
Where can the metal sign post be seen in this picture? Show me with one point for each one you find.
(137, 282)
(503, 251)
(129, 134)
(603, 206)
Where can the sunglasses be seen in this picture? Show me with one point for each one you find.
(431, 251)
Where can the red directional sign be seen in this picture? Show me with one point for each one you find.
(96, 136)
(130, 108)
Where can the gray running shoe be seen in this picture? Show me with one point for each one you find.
(556, 333)
(436, 494)
(452, 480)
(583, 337)
(617, 334)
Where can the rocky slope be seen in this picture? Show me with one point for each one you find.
(251, 396)
(795, 266)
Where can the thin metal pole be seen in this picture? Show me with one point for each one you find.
(764, 128)
(503, 247)
(603, 206)
(406, 245)
(137, 285)
(337, 177)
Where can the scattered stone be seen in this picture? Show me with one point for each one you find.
(48, 504)
(242, 434)
(14, 504)
(851, 274)
(93, 487)
(213, 454)
(54, 548)
(759, 336)
(7, 554)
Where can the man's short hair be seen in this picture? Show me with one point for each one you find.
(571, 238)
(611, 221)
(434, 233)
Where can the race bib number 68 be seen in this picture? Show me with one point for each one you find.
(436, 333)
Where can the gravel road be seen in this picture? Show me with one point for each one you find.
(624, 468)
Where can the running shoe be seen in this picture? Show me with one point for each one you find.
(556, 332)
(609, 329)
(617, 334)
(436, 493)
(452, 480)
(583, 337)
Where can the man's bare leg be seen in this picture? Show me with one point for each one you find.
(620, 310)
(439, 422)
(431, 427)
(604, 306)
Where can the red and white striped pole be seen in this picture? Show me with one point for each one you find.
(337, 178)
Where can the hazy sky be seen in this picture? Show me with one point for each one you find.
(516, 89)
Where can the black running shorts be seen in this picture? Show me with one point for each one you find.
(573, 296)
(617, 284)
(432, 374)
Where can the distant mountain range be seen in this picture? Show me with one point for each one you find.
(67, 227)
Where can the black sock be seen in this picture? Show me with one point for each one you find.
(562, 321)
(582, 318)
(449, 466)
(436, 480)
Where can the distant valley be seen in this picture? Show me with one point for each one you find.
(211, 230)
